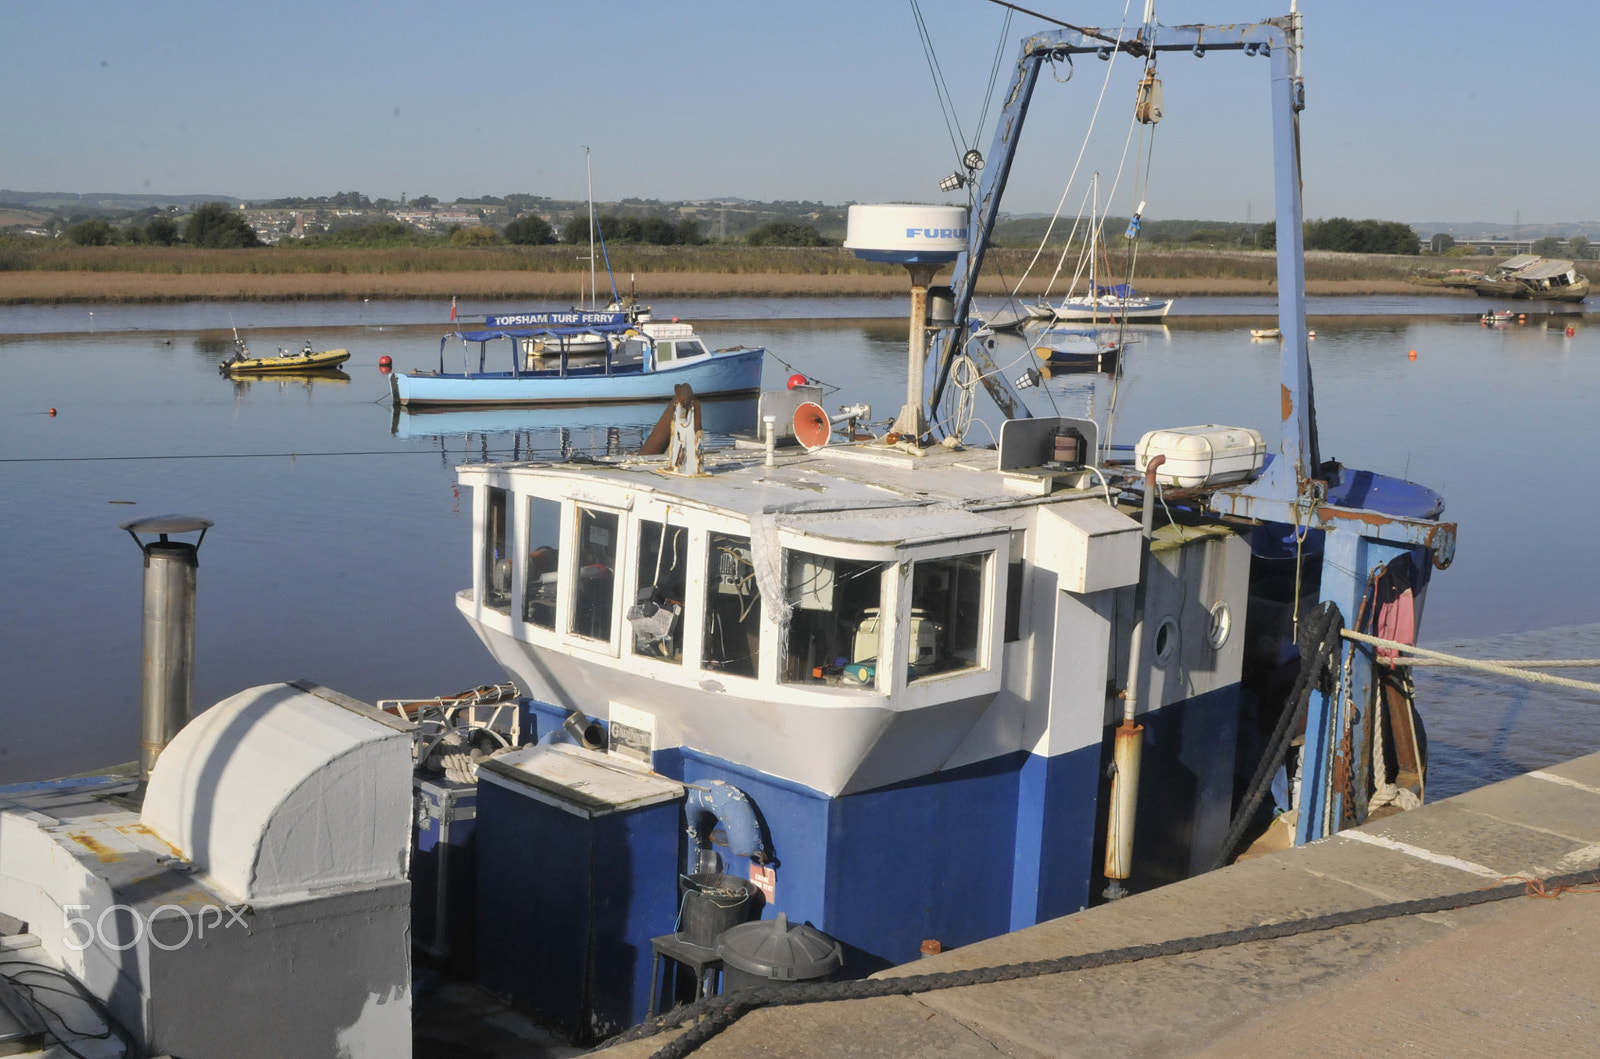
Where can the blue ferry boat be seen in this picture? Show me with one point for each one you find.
(577, 358)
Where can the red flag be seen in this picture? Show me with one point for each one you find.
(452, 307)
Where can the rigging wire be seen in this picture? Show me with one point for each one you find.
(994, 75)
(1084, 147)
(1141, 195)
(952, 122)
(1085, 30)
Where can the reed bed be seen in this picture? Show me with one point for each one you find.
(141, 273)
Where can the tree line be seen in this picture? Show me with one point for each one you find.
(1351, 237)
(212, 225)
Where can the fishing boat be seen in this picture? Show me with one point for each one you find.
(290, 362)
(1528, 276)
(917, 689)
(641, 362)
(906, 689)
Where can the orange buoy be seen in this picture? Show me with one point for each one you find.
(1311, 334)
(797, 380)
(1412, 355)
(52, 412)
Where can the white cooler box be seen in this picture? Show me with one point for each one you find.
(1203, 455)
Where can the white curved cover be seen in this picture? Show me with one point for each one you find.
(277, 791)
(907, 229)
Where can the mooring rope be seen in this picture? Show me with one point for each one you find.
(1521, 670)
(714, 1014)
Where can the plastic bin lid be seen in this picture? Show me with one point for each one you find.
(773, 949)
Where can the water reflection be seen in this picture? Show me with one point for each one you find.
(285, 380)
(216, 348)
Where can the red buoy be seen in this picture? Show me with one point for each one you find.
(794, 380)
(674, 319)
(385, 361)
(1571, 331)
(52, 411)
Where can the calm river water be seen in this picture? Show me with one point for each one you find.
(340, 535)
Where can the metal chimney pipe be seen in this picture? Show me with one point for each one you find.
(167, 693)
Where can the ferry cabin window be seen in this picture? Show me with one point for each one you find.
(544, 552)
(833, 619)
(946, 614)
(597, 560)
(496, 557)
(656, 616)
(690, 348)
(663, 352)
(732, 641)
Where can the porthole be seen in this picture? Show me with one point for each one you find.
(1221, 625)
(1166, 642)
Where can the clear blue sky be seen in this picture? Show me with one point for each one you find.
(1418, 110)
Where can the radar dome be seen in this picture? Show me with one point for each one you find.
(907, 235)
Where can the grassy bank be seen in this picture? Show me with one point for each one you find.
(124, 273)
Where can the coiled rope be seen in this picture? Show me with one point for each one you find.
(714, 1014)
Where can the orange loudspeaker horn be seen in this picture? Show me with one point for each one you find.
(811, 426)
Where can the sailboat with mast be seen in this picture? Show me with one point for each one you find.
(1114, 303)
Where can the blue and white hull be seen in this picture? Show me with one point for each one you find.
(724, 373)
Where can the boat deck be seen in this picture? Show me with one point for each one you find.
(836, 479)
(1514, 976)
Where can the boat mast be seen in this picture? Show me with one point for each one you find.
(589, 172)
(1094, 239)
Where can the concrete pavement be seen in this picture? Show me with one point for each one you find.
(1517, 976)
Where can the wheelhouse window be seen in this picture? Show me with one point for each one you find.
(544, 552)
(947, 598)
(833, 619)
(597, 563)
(656, 616)
(496, 556)
(732, 641)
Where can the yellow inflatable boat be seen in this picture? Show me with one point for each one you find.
(307, 359)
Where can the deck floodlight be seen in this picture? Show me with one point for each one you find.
(1249, 49)
(953, 182)
(1103, 54)
(972, 159)
(1029, 378)
(1199, 51)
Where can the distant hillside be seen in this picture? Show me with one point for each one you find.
(102, 201)
(1486, 229)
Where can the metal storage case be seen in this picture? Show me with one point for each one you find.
(578, 862)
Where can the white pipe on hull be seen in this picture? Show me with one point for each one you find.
(1128, 751)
